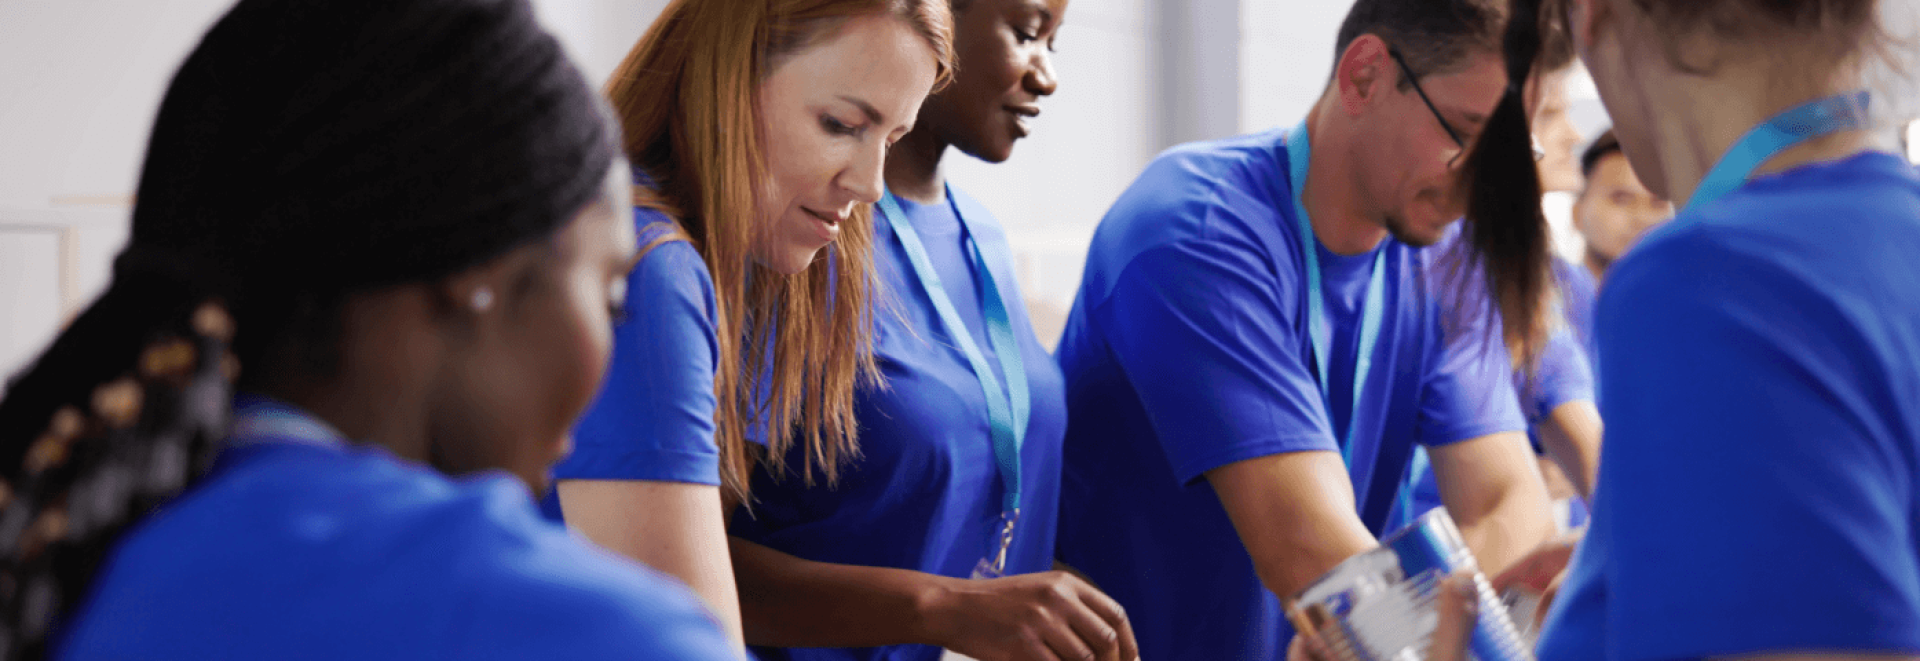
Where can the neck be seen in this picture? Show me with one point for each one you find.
(1597, 264)
(1332, 193)
(1699, 119)
(369, 396)
(913, 167)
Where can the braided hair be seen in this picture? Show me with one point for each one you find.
(305, 151)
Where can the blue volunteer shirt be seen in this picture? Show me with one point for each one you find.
(1577, 293)
(1562, 373)
(653, 418)
(291, 550)
(1186, 350)
(1763, 427)
(925, 493)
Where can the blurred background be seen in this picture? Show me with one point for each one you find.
(81, 79)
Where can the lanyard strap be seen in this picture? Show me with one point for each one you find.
(1008, 409)
(1833, 114)
(1318, 327)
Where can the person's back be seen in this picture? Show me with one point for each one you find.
(1777, 327)
(380, 559)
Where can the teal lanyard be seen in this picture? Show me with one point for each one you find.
(1007, 409)
(1318, 328)
(1833, 114)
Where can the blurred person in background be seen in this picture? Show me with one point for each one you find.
(1556, 391)
(408, 221)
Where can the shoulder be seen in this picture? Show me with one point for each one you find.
(1222, 198)
(670, 270)
(1242, 173)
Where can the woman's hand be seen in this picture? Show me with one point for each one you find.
(1050, 616)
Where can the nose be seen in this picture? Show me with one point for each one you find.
(1040, 78)
(864, 177)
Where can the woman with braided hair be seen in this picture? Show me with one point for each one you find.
(369, 286)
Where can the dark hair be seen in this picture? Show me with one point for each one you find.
(306, 150)
(1606, 144)
(1505, 238)
(1505, 228)
(1434, 36)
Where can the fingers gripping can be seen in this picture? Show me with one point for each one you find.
(1380, 605)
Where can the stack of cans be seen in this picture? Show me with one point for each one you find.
(1379, 605)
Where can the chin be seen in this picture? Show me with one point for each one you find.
(793, 261)
(1418, 235)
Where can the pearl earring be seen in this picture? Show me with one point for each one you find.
(482, 299)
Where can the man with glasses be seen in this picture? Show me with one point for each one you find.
(1258, 345)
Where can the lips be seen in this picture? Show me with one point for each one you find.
(826, 226)
(1021, 113)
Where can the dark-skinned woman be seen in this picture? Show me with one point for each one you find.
(408, 221)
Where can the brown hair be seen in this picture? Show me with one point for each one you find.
(686, 97)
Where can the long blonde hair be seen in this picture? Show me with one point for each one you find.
(686, 97)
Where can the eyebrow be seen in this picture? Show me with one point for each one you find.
(871, 112)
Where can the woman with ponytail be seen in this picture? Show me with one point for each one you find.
(757, 130)
(1756, 494)
(368, 288)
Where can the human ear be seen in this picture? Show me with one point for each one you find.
(1362, 71)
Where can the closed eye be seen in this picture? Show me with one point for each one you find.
(834, 126)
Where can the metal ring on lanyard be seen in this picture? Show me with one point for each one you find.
(1007, 409)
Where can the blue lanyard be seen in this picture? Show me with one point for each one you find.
(1318, 328)
(1007, 409)
(1833, 114)
(259, 419)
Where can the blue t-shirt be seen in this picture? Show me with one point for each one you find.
(1577, 292)
(1762, 398)
(653, 418)
(292, 550)
(925, 493)
(1186, 350)
(1563, 373)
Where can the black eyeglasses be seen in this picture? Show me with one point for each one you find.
(1414, 80)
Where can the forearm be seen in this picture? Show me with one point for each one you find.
(1518, 520)
(1571, 437)
(1311, 554)
(1295, 515)
(1491, 486)
(786, 601)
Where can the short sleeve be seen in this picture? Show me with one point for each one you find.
(1198, 326)
(1756, 501)
(1468, 392)
(1561, 374)
(653, 418)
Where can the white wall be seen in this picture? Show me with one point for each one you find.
(80, 81)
